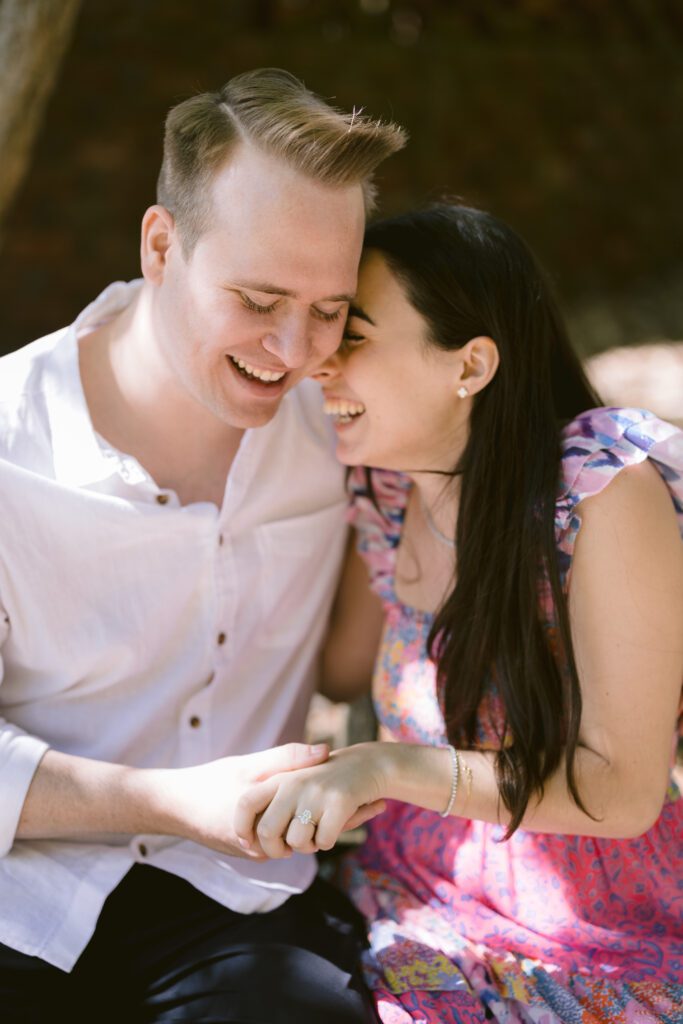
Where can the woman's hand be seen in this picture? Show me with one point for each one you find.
(200, 802)
(343, 793)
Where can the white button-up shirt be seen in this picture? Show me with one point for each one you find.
(138, 631)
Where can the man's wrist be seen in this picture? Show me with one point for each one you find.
(156, 793)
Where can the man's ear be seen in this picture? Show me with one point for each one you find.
(479, 360)
(157, 235)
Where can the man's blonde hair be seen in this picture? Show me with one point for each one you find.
(274, 111)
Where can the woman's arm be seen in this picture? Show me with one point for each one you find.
(626, 611)
(350, 649)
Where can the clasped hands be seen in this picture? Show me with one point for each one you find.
(342, 793)
(246, 805)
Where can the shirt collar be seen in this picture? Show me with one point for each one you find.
(79, 460)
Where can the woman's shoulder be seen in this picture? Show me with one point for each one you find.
(600, 443)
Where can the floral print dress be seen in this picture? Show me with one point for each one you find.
(542, 928)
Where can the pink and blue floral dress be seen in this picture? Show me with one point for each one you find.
(540, 929)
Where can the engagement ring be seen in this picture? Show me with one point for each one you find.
(306, 818)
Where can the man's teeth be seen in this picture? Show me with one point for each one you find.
(343, 410)
(270, 376)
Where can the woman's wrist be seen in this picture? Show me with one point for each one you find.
(417, 774)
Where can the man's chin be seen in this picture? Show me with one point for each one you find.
(250, 418)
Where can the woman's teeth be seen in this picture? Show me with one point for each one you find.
(269, 376)
(342, 410)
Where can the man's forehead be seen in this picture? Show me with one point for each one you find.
(288, 267)
(254, 170)
(275, 199)
(305, 246)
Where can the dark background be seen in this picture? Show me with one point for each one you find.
(561, 116)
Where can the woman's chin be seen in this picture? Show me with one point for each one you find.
(362, 455)
(354, 448)
(346, 457)
(350, 454)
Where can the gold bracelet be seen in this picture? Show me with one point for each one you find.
(464, 767)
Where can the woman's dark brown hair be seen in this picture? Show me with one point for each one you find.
(468, 274)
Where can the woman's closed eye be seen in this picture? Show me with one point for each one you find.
(351, 339)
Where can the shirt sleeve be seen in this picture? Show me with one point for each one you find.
(20, 755)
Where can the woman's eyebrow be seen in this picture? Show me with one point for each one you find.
(357, 311)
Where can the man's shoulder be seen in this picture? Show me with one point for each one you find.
(25, 376)
(22, 371)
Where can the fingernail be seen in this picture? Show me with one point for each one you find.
(318, 748)
(244, 843)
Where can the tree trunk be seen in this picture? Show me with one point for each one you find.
(34, 35)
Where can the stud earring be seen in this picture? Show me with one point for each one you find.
(462, 392)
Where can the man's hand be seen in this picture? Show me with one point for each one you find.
(202, 800)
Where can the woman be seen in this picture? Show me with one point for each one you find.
(525, 547)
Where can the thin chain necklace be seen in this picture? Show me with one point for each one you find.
(433, 528)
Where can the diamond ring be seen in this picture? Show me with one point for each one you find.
(306, 818)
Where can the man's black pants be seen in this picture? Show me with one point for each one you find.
(164, 952)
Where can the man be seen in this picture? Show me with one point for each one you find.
(165, 577)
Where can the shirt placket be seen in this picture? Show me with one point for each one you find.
(194, 724)
(195, 744)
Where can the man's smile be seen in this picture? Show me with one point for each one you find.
(258, 381)
(269, 376)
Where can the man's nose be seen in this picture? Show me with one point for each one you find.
(291, 342)
(328, 370)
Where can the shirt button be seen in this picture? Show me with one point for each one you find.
(220, 538)
(221, 638)
(142, 850)
(162, 499)
(195, 722)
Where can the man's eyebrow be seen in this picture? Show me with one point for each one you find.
(273, 289)
(357, 311)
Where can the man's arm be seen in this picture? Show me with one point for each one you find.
(72, 797)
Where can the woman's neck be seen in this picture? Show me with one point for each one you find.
(438, 497)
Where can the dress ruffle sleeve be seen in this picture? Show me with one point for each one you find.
(600, 443)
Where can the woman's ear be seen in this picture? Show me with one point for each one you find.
(157, 234)
(479, 361)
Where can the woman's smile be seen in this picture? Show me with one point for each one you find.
(343, 411)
